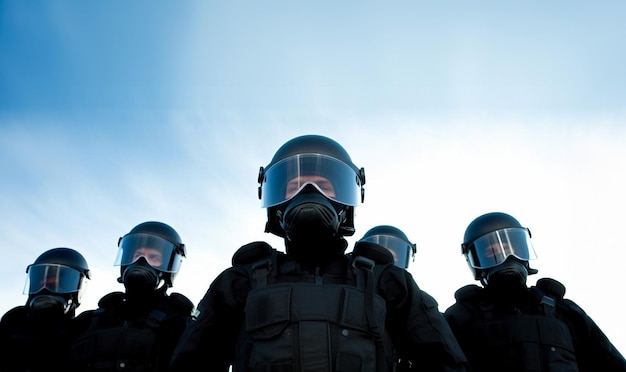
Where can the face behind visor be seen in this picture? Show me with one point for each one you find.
(311, 162)
(400, 249)
(333, 178)
(309, 195)
(54, 278)
(494, 248)
(159, 253)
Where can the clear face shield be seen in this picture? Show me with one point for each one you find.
(494, 248)
(333, 178)
(159, 253)
(57, 279)
(400, 249)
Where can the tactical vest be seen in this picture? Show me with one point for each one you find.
(311, 325)
(114, 344)
(529, 340)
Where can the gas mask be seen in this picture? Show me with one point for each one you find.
(139, 277)
(509, 276)
(49, 306)
(310, 217)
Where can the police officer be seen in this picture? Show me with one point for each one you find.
(403, 250)
(137, 330)
(36, 336)
(314, 307)
(395, 240)
(504, 325)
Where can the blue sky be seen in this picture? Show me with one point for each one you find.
(116, 113)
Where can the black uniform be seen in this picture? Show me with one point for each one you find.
(33, 343)
(537, 330)
(125, 335)
(275, 312)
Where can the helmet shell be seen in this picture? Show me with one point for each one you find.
(312, 144)
(64, 256)
(395, 240)
(387, 230)
(487, 223)
(159, 229)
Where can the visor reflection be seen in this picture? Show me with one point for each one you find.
(55, 278)
(158, 252)
(321, 183)
(494, 248)
(334, 178)
(400, 250)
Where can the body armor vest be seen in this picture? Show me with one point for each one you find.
(113, 343)
(529, 339)
(310, 325)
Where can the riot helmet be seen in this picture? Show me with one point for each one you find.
(310, 189)
(496, 245)
(150, 253)
(394, 240)
(56, 281)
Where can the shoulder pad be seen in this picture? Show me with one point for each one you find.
(111, 299)
(574, 307)
(181, 302)
(380, 255)
(467, 292)
(551, 286)
(252, 252)
(18, 311)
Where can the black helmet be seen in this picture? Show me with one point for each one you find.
(493, 237)
(311, 161)
(166, 249)
(59, 271)
(394, 240)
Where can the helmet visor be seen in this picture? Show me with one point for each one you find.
(494, 248)
(400, 249)
(333, 178)
(53, 277)
(161, 254)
